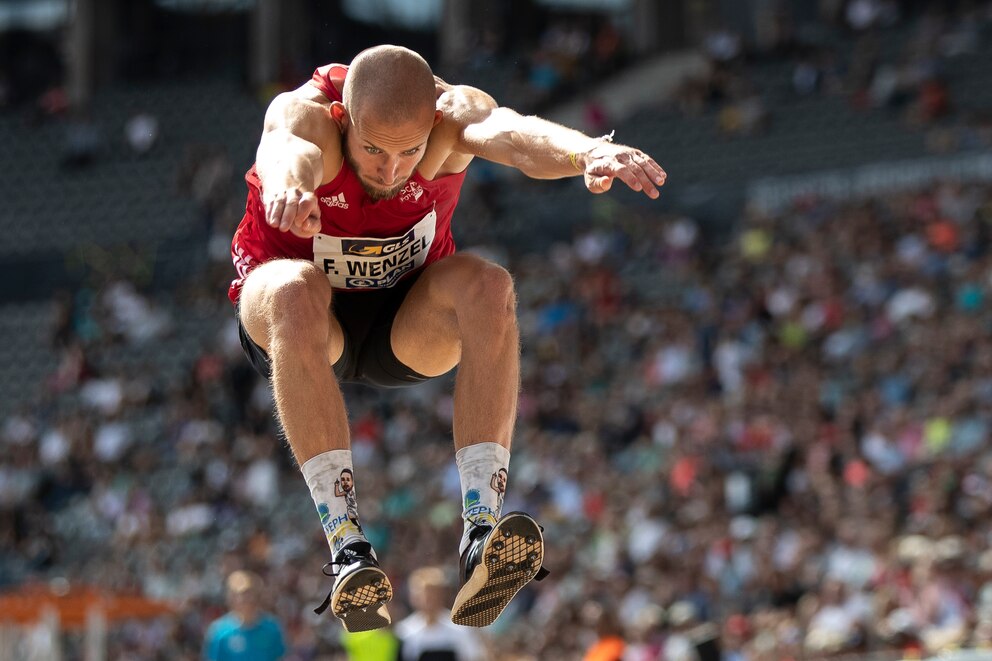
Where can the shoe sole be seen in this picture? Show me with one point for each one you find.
(360, 601)
(511, 557)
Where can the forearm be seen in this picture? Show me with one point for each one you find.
(546, 150)
(537, 147)
(286, 161)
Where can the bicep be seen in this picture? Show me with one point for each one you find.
(486, 129)
(492, 135)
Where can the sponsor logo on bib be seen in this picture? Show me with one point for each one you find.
(374, 263)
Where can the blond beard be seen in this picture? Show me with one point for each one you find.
(375, 194)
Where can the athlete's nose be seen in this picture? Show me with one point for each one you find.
(389, 170)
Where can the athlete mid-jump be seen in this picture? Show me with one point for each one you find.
(347, 271)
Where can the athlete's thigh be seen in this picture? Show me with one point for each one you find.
(425, 334)
(269, 291)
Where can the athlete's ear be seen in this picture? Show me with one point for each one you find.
(339, 114)
(438, 116)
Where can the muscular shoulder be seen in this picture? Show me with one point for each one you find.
(463, 105)
(304, 112)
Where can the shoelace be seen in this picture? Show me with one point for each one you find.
(348, 557)
(477, 526)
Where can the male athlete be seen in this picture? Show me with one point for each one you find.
(347, 272)
(345, 488)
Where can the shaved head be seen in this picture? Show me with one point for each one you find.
(388, 110)
(389, 84)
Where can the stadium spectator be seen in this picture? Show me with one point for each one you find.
(141, 132)
(246, 632)
(428, 634)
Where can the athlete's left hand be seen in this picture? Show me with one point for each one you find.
(607, 161)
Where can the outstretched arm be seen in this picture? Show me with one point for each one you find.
(290, 161)
(544, 150)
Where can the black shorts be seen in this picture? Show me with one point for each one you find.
(366, 317)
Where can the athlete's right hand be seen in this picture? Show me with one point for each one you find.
(293, 210)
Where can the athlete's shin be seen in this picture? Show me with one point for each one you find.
(332, 485)
(483, 469)
(488, 381)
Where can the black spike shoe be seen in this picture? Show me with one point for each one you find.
(361, 590)
(500, 561)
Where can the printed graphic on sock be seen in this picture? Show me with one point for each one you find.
(344, 487)
(498, 484)
(476, 512)
(332, 486)
(482, 468)
(338, 529)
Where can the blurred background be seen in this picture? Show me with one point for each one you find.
(755, 414)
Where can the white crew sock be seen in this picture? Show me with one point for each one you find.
(482, 468)
(332, 486)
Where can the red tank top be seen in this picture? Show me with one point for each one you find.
(362, 244)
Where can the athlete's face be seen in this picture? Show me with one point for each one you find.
(346, 482)
(384, 155)
(501, 480)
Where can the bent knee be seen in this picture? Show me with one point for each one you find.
(493, 285)
(284, 296)
(486, 287)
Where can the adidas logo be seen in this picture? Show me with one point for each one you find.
(335, 201)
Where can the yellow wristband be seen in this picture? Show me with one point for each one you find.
(571, 159)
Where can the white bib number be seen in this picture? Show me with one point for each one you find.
(366, 263)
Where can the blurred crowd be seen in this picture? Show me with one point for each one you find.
(878, 55)
(773, 443)
(791, 449)
(570, 54)
(758, 447)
